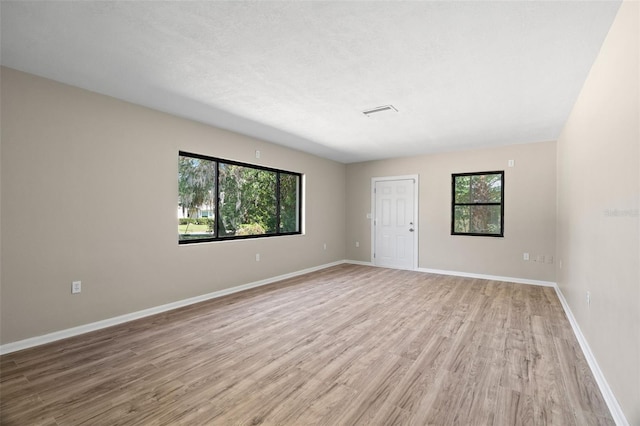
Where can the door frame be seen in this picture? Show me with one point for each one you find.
(416, 219)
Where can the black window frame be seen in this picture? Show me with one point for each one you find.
(217, 200)
(454, 204)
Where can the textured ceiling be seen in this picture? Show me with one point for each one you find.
(461, 74)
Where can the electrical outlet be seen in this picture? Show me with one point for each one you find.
(257, 257)
(257, 154)
(357, 243)
(325, 246)
(511, 163)
(76, 287)
(525, 256)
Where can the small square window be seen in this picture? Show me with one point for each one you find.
(477, 204)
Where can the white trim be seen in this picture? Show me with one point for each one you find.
(98, 325)
(488, 277)
(359, 262)
(607, 393)
(416, 216)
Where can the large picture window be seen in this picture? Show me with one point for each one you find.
(221, 199)
(477, 206)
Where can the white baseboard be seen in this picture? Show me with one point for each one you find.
(488, 277)
(98, 325)
(359, 262)
(607, 393)
(469, 275)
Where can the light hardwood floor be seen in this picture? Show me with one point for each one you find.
(344, 346)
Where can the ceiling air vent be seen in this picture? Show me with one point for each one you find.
(380, 109)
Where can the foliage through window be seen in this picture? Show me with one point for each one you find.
(477, 206)
(221, 199)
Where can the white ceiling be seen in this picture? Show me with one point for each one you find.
(461, 74)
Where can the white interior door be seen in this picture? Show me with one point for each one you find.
(395, 227)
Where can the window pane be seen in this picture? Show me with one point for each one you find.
(462, 189)
(247, 201)
(477, 219)
(289, 202)
(461, 215)
(485, 189)
(196, 198)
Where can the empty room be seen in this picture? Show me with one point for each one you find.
(320, 213)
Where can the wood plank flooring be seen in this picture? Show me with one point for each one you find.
(349, 345)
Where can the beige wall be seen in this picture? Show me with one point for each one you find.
(530, 206)
(89, 192)
(598, 190)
